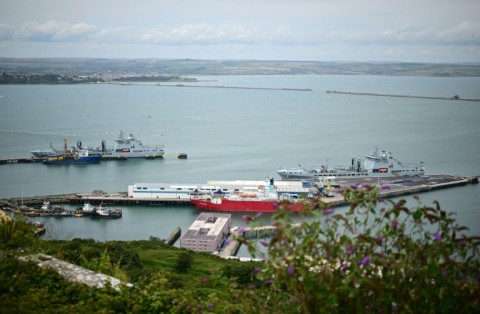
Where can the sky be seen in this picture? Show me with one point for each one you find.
(313, 30)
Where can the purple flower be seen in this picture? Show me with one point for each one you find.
(210, 305)
(379, 240)
(384, 187)
(394, 224)
(241, 230)
(394, 307)
(328, 211)
(268, 282)
(291, 270)
(351, 249)
(345, 266)
(275, 205)
(365, 261)
(340, 191)
(354, 186)
(259, 214)
(256, 270)
(438, 236)
(367, 186)
(382, 209)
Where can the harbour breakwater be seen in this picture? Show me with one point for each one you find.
(454, 97)
(221, 86)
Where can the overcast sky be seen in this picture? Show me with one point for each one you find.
(322, 30)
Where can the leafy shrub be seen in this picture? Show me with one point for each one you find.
(72, 252)
(378, 256)
(184, 261)
(243, 272)
(16, 233)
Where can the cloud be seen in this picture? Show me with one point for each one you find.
(54, 31)
(464, 33)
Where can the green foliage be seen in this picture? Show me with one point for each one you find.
(72, 252)
(17, 233)
(242, 272)
(184, 261)
(26, 288)
(375, 256)
(378, 256)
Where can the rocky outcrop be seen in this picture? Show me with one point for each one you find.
(74, 273)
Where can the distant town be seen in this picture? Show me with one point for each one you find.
(79, 70)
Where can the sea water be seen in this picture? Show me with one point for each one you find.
(232, 134)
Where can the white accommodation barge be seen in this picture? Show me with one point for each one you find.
(207, 233)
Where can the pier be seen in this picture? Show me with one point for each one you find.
(455, 97)
(174, 236)
(398, 186)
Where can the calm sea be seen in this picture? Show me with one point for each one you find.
(233, 134)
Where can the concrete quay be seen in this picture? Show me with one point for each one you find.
(398, 186)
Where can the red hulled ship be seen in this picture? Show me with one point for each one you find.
(263, 200)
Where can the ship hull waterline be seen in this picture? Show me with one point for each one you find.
(243, 206)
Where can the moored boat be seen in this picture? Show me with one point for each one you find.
(88, 208)
(104, 212)
(377, 164)
(81, 156)
(230, 204)
(263, 200)
(43, 153)
(131, 147)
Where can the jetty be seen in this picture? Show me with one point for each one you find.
(454, 97)
(397, 186)
(29, 160)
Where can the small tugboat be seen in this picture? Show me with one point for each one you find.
(88, 208)
(104, 212)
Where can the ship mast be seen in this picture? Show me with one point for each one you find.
(64, 146)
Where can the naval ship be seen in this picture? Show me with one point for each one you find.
(130, 147)
(376, 164)
(125, 147)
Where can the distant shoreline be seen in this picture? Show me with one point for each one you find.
(108, 69)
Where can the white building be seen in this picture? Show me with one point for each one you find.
(207, 232)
